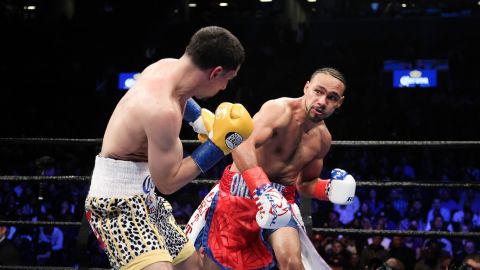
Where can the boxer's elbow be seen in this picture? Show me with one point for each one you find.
(166, 190)
(164, 187)
(304, 189)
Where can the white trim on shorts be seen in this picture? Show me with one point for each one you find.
(119, 178)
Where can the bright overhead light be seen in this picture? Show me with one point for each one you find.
(265, 1)
(404, 5)
(192, 4)
(223, 4)
(29, 7)
(311, 1)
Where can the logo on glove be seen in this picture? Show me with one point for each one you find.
(233, 140)
(276, 208)
(338, 174)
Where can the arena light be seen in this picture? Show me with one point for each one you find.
(265, 1)
(192, 4)
(223, 4)
(311, 1)
(29, 7)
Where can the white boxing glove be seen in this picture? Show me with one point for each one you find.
(199, 118)
(273, 209)
(341, 188)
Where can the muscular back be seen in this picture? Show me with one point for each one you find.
(285, 140)
(126, 135)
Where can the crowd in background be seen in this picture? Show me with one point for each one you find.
(60, 71)
(397, 208)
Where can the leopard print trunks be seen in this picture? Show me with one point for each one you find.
(134, 226)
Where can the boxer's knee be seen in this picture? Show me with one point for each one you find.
(208, 264)
(194, 262)
(289, 262)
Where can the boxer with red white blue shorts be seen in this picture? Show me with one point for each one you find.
(231, 236)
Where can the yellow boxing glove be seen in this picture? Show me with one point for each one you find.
(231, 126)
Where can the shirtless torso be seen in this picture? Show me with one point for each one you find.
(142, 150)
(150, 132)
(154, 91)
(292, 141)
(289, 142)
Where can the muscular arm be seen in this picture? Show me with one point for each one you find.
(309, 176)
(169, 170)
(273, 209)
(264, 122)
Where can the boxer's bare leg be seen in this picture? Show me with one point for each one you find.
(159, 266)
(194, 262)
(286, 246)
(208, 264)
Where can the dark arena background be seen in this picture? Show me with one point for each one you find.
(408, 129)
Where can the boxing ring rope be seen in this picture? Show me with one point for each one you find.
(433, 234)
(360, 183)
(337, 231)
(211, 181)
(195, 142)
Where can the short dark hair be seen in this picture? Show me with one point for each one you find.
(213, 46)
(332, 72)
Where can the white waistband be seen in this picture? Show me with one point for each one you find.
(119, 178)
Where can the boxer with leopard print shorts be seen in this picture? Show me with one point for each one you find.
(134, 226)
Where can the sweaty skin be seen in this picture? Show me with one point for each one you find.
(289, 141)
(145, 125)
(290, 138)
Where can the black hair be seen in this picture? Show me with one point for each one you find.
(213, 46)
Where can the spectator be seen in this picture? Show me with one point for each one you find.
(414, 218)
(399, 251)
(347, 212)
(373, 202)
(51, 243)
(467, 250)
(375, 250)
(472, 197)
(389, 216)
(466, 216)
(398, 201)
(444, 261)
(438, 224)
(447, 200)
(431, 257)
(385, 242)
(338, 257)
(9, 253)
(438, 210)
(473, 260)
(333, 220)
(395, 264)
(364, 211)
(404, 170)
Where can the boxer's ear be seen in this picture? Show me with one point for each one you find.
(216, 71)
